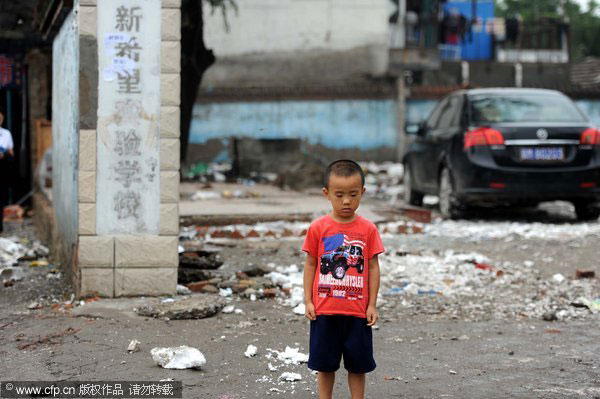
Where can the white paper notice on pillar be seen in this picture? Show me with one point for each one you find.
(128, 146)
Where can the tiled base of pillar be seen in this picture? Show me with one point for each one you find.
(145, 281)
(97, 281)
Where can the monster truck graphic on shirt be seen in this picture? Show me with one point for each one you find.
(341, 254)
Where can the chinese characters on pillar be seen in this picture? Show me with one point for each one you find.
(129, 102)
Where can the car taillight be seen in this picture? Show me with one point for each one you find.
(483, 136)
(590, 137)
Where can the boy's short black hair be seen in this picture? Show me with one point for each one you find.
(343, 168)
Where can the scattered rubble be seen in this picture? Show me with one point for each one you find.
(50, 339)
(290, 377)
(288, 356)
(383, 180)
(490, 230)
(228, 309)
(250, 351)
(134, 346)
(193, 307)
(183, 290)
(181, 357)
(580, 273)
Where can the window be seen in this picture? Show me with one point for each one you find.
(523, 108)
(433, 119)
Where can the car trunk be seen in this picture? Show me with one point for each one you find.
(541, 146)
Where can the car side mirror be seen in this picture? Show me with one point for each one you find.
(415, 128)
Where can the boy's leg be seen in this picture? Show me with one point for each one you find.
(356, 382)
(325, 380)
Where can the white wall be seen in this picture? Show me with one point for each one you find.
(65, 128)
(292, 25)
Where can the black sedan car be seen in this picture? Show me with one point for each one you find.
(490, 147)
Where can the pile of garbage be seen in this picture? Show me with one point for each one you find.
(208, 172)
(508, 231)
(384, 180)
(18, 253)
(279, 230)
(266, 230)
(466, 286)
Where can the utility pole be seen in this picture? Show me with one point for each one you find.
(400, 86)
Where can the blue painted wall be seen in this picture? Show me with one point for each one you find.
(478, 45)
(338, 124)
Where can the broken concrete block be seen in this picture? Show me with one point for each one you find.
(134, 346)
(194, 307)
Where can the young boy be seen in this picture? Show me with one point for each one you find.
(341, 297)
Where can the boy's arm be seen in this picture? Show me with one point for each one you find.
(310, 268)
(372, 314)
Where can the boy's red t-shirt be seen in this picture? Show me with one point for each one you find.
(342, 250)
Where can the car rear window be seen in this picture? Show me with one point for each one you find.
(523, 108)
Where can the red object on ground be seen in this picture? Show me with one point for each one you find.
(483, 266)
(197, 286)
(417, 214)
(580, 273)
(13, 213)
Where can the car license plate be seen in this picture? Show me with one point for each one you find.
(542, 154)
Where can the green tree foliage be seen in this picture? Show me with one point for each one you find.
(584, 28)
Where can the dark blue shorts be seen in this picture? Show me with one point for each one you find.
(334, 336)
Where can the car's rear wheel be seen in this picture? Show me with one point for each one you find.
(450, 206)
(411, 196)
(587, 210)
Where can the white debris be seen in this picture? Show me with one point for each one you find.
(12, 273)
(290, 377)
(225, 292)
(10, 252)
(239, 311)
(253, 297)
(228, 309)
(300, 309)
(272, 368)
(167, 300)
(558, 278)
(134, 346)
(452, 372)
(291, 355)
(488, 230)
(205, 195)
(250, 351)
(446, 273)
(181, 357)
(264, 378)
(34, 305)
(183, 290)
(54, 275)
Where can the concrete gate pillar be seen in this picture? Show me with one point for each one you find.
(127, 173)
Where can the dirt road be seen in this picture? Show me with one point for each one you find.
(448, 329)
